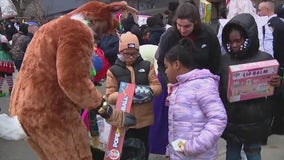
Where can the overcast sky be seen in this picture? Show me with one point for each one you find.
(55, 6)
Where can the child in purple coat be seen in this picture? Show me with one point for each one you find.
(197, 116)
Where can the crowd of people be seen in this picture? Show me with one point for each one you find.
(15, 37)
(184, 76)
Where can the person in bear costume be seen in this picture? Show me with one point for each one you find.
(54, 83)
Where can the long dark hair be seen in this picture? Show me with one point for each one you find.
(184, 51)
(190, 12)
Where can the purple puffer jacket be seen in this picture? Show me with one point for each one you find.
(196, 114)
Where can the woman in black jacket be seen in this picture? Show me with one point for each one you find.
(187, 25)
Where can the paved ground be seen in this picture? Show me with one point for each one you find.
(19, 150)
(274, 150)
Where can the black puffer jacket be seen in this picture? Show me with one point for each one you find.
(206, 42)
(248, 121)
(155, 34)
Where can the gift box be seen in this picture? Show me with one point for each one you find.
(250, 80)
(205, 10)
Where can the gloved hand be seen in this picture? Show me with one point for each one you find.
(142, 94)
(104, 110)
(115, 118)
(121, 119)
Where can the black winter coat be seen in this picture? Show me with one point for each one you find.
(277, 24)
(249, 120)
(206, 41)
(155, 34)
(109, 44)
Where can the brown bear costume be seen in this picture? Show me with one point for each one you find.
(54, 82)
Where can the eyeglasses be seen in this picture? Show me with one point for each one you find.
(128, 55)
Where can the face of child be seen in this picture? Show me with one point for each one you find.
(171, 70)
(184, 26)
(130, 55)
(235, 41)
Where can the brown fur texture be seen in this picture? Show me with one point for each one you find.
(54, 84)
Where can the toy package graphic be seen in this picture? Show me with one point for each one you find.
(250, 80)
(116, 135)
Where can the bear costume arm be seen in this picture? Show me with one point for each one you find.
(73, 64)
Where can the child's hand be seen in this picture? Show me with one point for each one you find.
(178, 145)
(181, 152)
(142, 94)
(275, 81)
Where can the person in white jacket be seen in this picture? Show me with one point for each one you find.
(236, 7)
(266, 10)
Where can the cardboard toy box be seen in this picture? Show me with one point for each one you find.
(250, 80)
(205, 10)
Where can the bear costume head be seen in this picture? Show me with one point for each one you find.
(100, 16)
